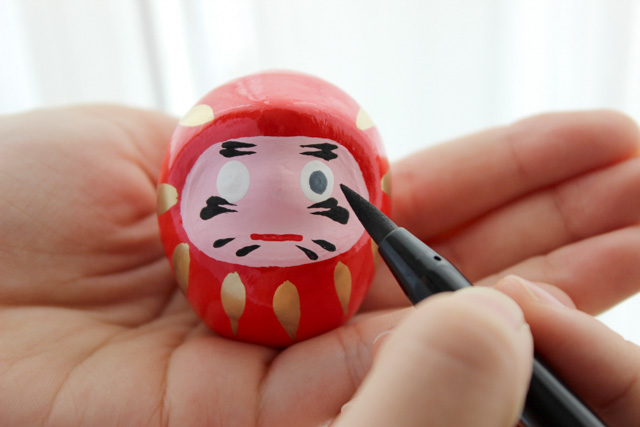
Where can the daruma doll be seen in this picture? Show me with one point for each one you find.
(259, 235)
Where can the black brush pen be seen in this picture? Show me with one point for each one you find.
(422, 272)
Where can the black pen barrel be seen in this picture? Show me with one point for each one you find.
(422, 272)
(550, 403)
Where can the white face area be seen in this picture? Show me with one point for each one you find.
(272, 201)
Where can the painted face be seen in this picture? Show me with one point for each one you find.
(272, 201)
(259, 235)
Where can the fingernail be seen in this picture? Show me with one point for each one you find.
(498, 302)
(535, 291)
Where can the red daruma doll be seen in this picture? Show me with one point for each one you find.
(260, 237)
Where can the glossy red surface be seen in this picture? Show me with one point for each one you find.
(277, 104)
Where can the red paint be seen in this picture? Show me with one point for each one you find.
(275, 104)
(277, 237)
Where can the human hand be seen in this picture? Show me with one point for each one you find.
(564, 210)
(93, 330)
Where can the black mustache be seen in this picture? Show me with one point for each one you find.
(333, 210)
(214, 207)
(246, 250)
(309, 253)
(221, 242)
(328, 246)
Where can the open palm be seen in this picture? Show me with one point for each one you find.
(93, 329)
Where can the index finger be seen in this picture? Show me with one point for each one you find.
(447, 186)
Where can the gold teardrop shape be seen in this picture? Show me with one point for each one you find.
(180, 260)
(167, 197)
(286, 306)
(342, 282)
(198, 115)
(385, 183)
(374, 252)
(233, 296)
(363, 121)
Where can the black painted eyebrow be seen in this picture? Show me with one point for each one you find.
(232, 148)
(326, 151)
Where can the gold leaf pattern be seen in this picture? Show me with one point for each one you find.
(167, 197)
(198, 115)
(385, 183)
(286, 306)
(180, 260)
(374, 252)
(363, 121)
(342, 282)
(234, 297)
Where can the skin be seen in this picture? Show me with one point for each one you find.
(93, 330)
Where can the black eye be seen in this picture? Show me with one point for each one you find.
(318, 182)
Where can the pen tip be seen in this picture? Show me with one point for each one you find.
(377, 224)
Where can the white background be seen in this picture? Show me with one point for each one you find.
(425, 70)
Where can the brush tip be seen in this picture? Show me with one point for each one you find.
(377, 224)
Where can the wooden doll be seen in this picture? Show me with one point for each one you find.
(260, 237)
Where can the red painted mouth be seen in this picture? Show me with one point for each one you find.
(277, 237)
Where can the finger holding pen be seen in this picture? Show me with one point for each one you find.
(598, 364)
(460, 358)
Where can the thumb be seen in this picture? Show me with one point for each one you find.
(460, 359)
